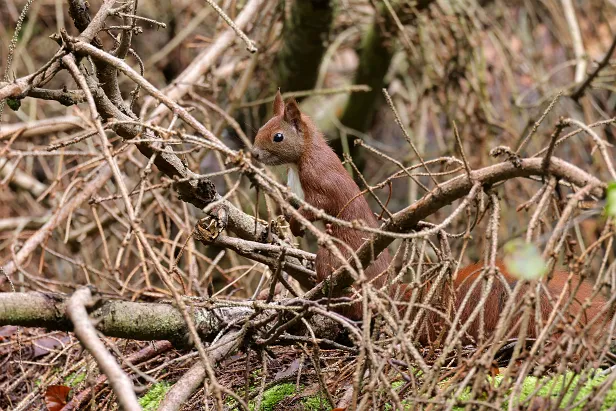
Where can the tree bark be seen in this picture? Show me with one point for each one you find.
(305, 37)
(115, 318)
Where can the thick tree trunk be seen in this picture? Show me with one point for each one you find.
(305, 36)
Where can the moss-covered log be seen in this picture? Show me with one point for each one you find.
(115, 318)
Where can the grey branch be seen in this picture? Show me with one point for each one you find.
(116, 318)
(456, 188)
(85, 331)
(193, 378)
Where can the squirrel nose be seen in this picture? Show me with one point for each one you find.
(255, 153)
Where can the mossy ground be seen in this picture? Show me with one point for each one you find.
(74, 379)
(154, 396)
(551, 388)
(274, 396)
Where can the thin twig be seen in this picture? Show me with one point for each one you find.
(406, 135)
(602, 64)
(85, 331)
(576, 36)
(250, 45)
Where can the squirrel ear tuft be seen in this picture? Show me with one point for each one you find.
(278, 104)
(292, 114)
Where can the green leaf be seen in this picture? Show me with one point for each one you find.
(523, 260)
(610, 206)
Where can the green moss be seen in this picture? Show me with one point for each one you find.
(271, 397)
(274, 395)
(74, 379)
(13, 103)
(397, 384)
(570, 380)
(154, 396)
(316, 403)
(406, 404)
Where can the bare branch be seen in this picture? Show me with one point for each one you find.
(204, 61)
(407, 219)
(85, 331)
(104, 173)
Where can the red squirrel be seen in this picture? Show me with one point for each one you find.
(317, 175)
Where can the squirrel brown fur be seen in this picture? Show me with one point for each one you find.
(291, 138)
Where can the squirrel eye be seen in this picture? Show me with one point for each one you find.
(278, 137)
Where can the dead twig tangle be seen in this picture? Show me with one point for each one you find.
(148, 261)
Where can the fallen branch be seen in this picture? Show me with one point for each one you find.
(193, 378)
(85, 331)
(116, 318)
(407, 219)
(41, 127)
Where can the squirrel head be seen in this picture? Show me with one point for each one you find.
(281, 139)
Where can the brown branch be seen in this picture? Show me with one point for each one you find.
(20, 87)
(20, 179)
(254, 250)
(79, 46)
(41, 127)
(61, 214)
(407, 219)
(64, 97)
(85, 331)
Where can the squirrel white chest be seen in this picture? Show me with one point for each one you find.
(293, 181)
